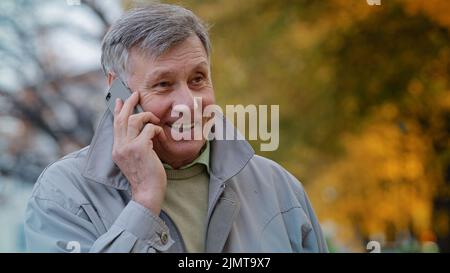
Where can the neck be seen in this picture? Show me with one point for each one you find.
(176, 164)
(177, 161)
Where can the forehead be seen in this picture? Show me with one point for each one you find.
(190, 52)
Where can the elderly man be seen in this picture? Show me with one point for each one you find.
(136, 189)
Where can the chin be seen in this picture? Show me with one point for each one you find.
(179, 151)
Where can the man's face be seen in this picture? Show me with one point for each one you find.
(173, 78)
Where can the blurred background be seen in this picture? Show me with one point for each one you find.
(363, 93)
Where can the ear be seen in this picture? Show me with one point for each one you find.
(111, 78)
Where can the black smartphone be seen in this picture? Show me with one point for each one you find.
(119, 90)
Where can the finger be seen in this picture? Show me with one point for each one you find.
(120, 130)
(128, 107)
(162, 136)
(118, 106)
(149, 132)
(137, 121)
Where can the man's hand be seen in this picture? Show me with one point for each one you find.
(133, 153)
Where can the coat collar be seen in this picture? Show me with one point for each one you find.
(227, 157)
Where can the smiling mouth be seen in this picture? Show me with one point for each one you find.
(183, 127)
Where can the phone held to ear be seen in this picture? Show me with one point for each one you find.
(119, 90)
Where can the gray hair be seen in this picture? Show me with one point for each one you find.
(152, 29)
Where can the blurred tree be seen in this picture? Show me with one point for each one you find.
(398, 63)
(36, 94)
(364, 102)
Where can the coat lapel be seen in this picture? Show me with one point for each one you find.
(227, 158)
(99, 165)
(221, 221)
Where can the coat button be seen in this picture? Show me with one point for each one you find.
(164, 237)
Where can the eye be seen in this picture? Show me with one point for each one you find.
(162, 86)
(198, 79)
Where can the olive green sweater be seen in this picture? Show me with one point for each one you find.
(186, 200)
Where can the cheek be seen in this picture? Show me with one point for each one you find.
(158, 106)
(208, 99)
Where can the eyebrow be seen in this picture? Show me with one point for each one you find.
(162, 73)
(202, 64)
(159, 74)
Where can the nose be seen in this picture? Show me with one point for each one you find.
(184, 96)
